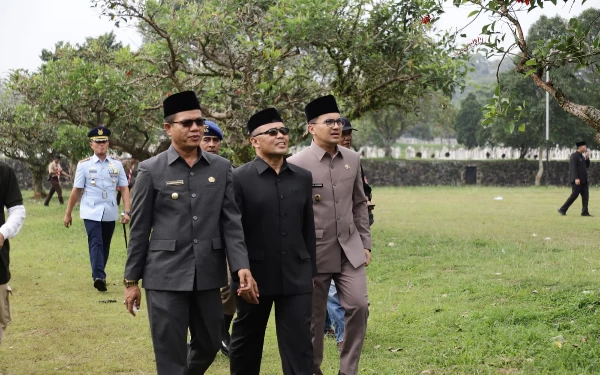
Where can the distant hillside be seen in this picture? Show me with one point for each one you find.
(483, 79)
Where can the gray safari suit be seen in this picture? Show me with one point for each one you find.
(184, 220)
(342, 231)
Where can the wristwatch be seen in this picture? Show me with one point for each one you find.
(128, 213)
(130, 282)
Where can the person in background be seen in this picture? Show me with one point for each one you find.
(12, 200)
(54, 173)
(578, 177)
(130, 167)
(96, 180)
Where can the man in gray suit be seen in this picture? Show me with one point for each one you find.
(341, 228)
(184, 220)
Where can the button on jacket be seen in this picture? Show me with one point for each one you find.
(278, 222)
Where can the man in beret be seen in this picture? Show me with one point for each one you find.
(275, 199)
(212, 138)
(184, 221)
(97, 178)
(211, 142)
(342, 230)
(54, 173)
(578, 177)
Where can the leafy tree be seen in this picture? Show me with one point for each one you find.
(240, 56)
(576, 48)
(468, 122)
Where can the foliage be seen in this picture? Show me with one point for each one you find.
(468, 122)
(576, 48)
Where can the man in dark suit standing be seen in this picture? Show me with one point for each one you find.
(185, 219)
(578, 177)
(275, 199)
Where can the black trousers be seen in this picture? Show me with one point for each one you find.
(576, 190)
(292, 323)
(55, 188)
(170, 315)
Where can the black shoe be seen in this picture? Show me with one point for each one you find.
(225, 347)
(586, 214)
(563, 213)
(100, 285)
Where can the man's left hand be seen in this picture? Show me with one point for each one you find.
(125, 219)
(248, 289)
(368, 255)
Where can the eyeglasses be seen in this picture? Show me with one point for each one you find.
(273, 132)
(347, 134)
(331, 122)
(188, 123)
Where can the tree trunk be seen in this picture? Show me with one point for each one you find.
(589, 114)
(523, 152)
(388, 150)
(538, 177)
(39, 173)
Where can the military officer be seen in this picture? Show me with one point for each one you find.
(212, 138)
(97, 177)
(211, 142)
(578, 177)
(184, 221)
(275, 199)
(342, 231)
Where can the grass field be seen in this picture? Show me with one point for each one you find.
(460, 284)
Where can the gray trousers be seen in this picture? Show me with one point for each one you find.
(171, 314)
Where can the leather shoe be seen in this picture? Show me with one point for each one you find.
(586, 214)
(563, 213)
(100, 285)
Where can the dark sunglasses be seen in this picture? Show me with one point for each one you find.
(188, 123)
(273, 132)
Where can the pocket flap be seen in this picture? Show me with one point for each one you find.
(89, 202)
(217, 243)
(162, 245)
(352, 228)
(319, 233)
(303, 254)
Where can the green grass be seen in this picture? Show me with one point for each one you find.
(458, 285)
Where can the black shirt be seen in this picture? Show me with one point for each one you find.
(278, 222)
(10, 196)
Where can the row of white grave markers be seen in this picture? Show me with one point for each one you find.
(483, 153)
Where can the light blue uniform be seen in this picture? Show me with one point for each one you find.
(99, 181)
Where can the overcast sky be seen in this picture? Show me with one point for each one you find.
(28, 26)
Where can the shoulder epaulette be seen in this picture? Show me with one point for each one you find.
(86, 159)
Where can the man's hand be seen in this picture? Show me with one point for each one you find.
(368, 255)
(133, 297)
(248, 289)
(577, 182)
(1, 240)
(587, 155)
(125, 219)
(68, 220)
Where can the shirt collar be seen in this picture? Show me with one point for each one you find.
(262, 166)
(173, 155)
(320, 153)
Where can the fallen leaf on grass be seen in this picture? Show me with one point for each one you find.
(558, 344)
(427, 372)
(587, 292)
(547, 238)
(391, 244)
(396, 350)
(534, 291)
(533, 235)
(377, 346)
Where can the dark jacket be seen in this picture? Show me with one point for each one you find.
(278, 222)
(183, 221)
(578, 166)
